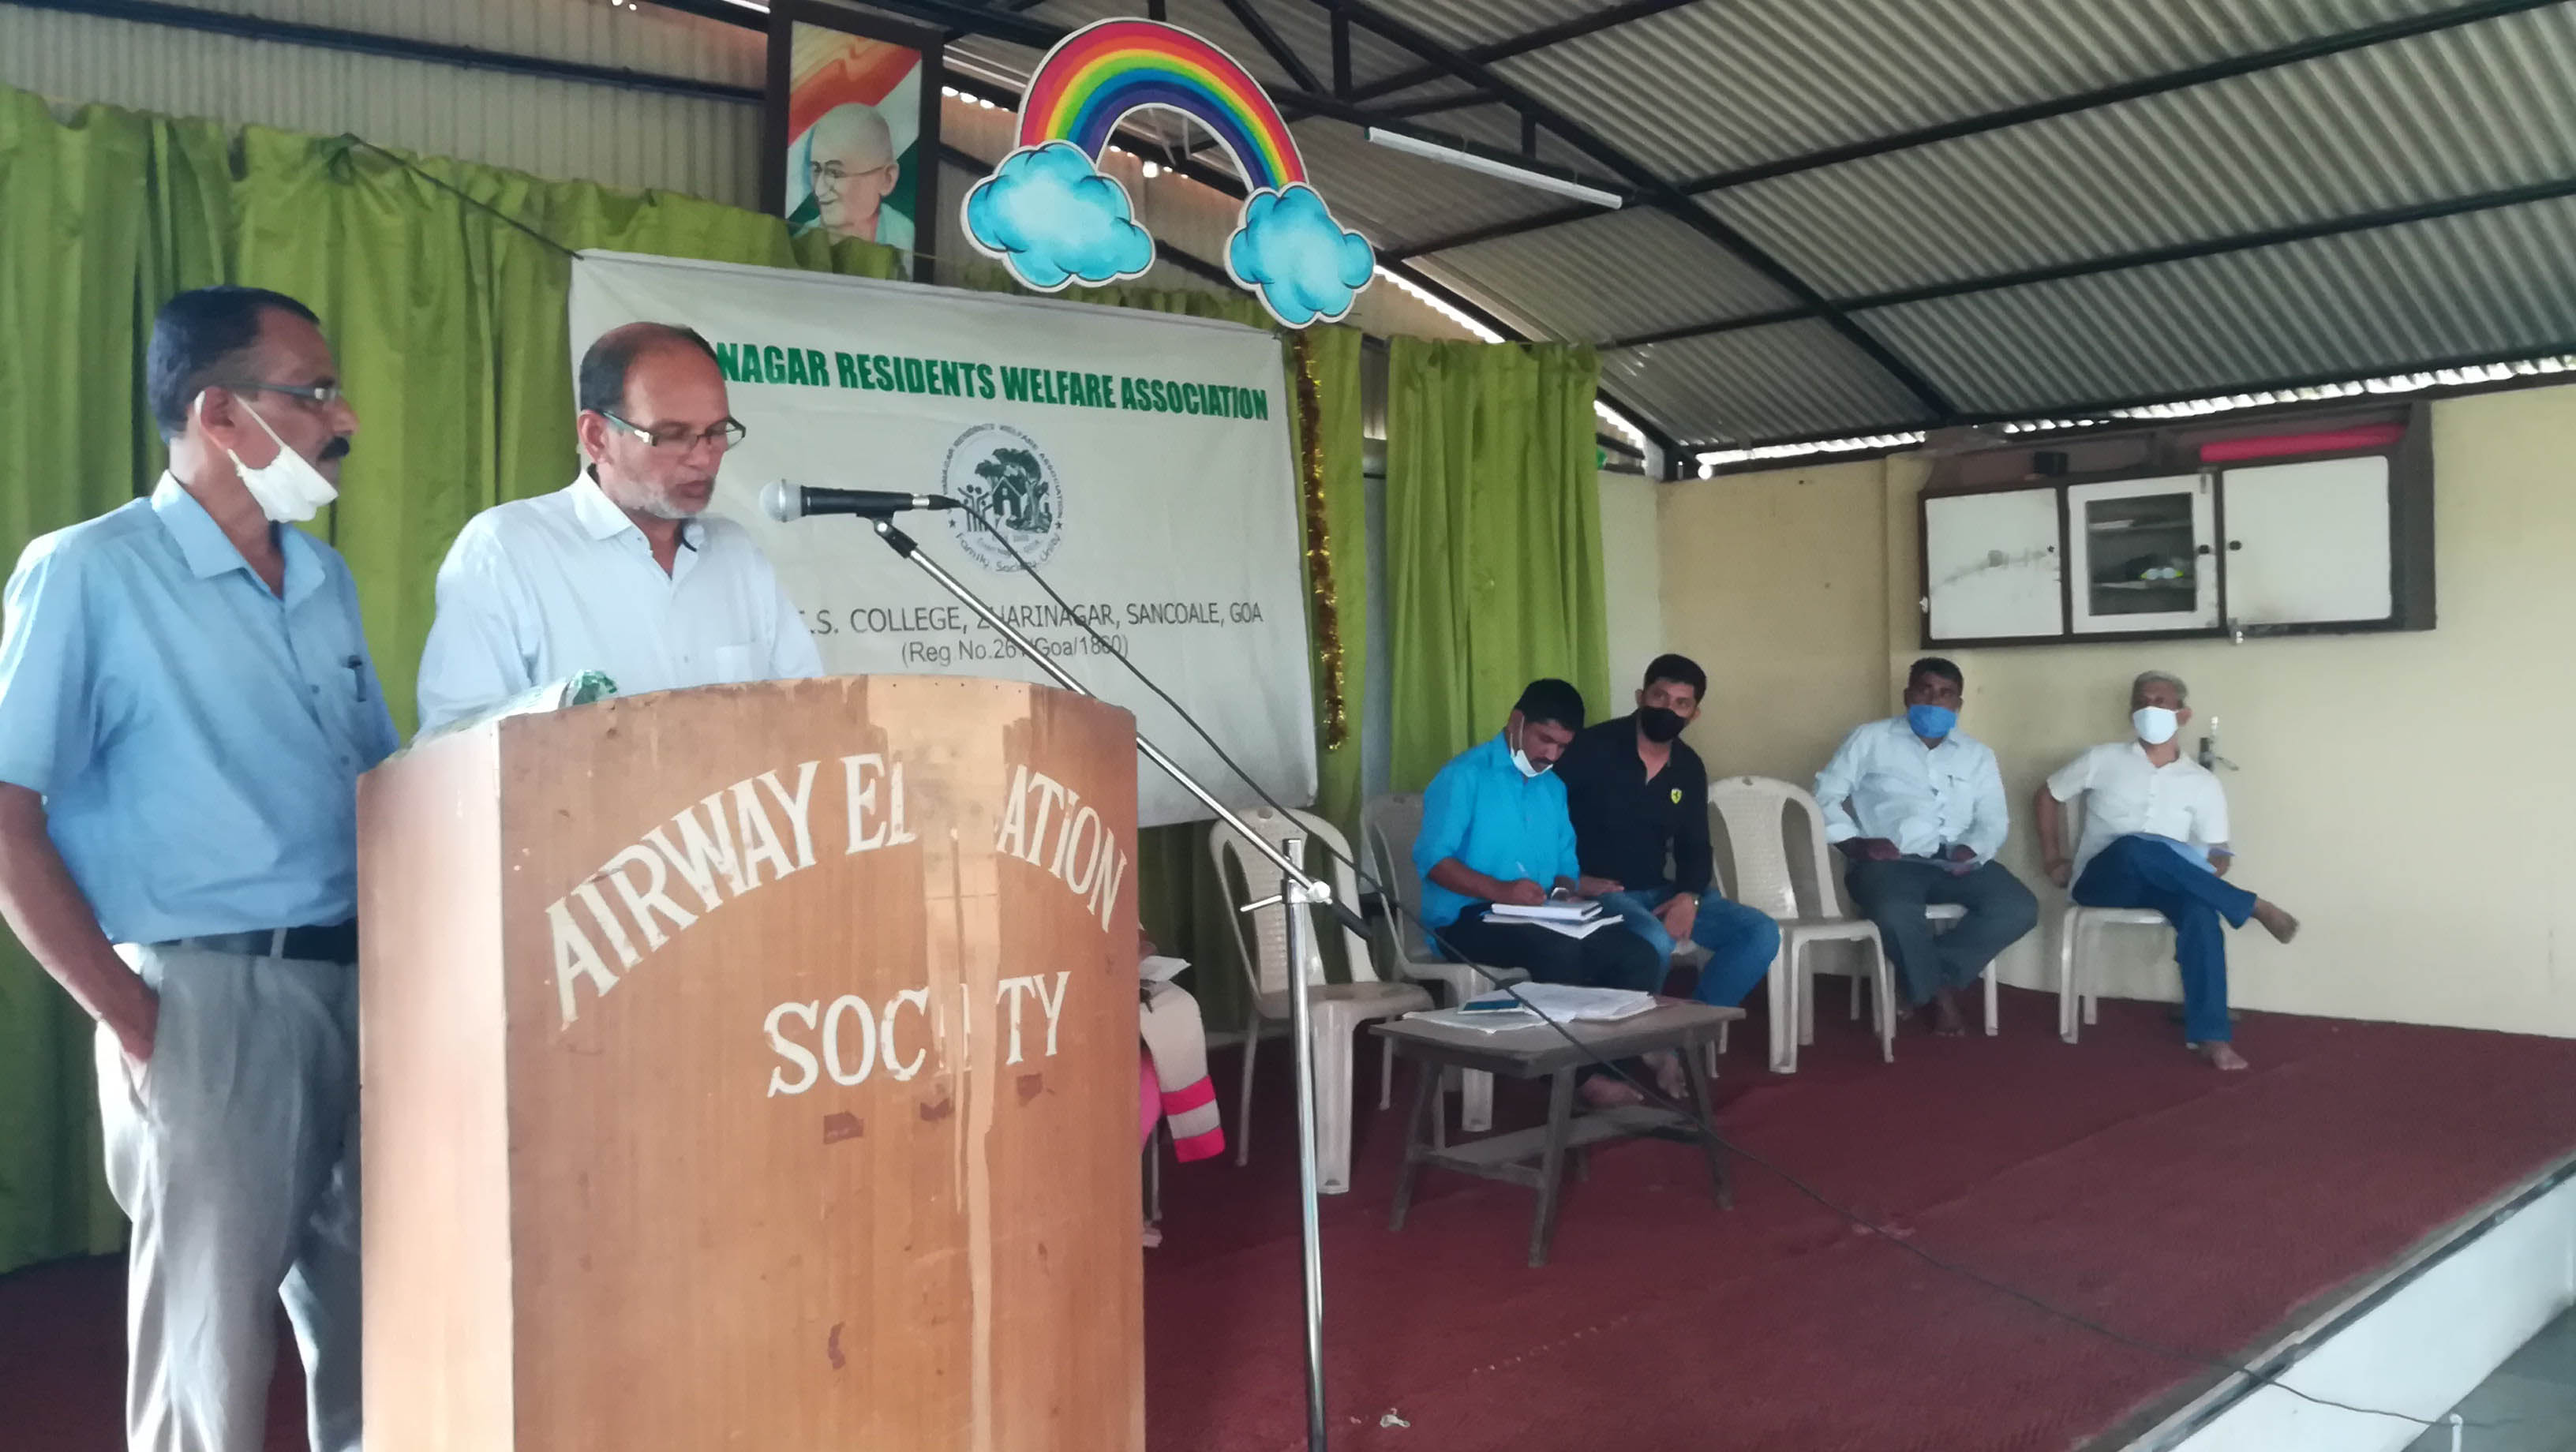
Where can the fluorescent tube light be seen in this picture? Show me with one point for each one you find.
(1523, 176)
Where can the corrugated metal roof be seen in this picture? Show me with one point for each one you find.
(1394, 198)
(1712, 87)
(664, 42)
(1786, 380)
(562, 129)
(1622, 273)
(1705, 87)
(1303, 28)
(2486, 284)
(1482, 22)
(2480, 108)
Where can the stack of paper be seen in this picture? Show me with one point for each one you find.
(1573, 919)
(1530, 1004)
(1567, 1003)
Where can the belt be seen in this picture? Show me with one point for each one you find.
(337, 943)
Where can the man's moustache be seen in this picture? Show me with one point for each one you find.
(338, 448)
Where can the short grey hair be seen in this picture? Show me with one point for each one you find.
(2182, 693)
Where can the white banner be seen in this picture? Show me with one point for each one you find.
(1139, 461)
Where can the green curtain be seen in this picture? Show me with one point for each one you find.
(1493, 540)
(451, 331)
(100, 218)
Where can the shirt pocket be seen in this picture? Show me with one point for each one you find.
(732, 664)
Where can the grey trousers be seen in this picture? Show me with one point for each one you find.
(235, 1154)
(1893, 895)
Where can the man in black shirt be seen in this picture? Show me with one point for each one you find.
(1639, 797)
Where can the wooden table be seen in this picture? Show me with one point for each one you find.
(1536, 1157)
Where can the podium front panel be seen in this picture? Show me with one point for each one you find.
(817, 1012)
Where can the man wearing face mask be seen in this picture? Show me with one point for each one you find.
(1494, 830)
(1918, 806)
(1639, 798)
(621, 572)
(186, 702)
(2155, 838)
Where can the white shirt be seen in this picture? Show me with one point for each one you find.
(539, 589)
(1885, 782)
(2125, 794)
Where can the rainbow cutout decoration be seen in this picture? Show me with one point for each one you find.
(1051, 216)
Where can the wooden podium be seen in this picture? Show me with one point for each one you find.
(755, 1067)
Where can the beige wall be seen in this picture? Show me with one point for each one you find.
(2405, 794)
(1631, 586)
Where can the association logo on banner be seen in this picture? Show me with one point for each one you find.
(1011, 484)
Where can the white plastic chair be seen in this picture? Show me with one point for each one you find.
(2076, 921)
(1337, 1009)
(1391, 823)
(1755, 811)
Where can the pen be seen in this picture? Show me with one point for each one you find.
(357, 676)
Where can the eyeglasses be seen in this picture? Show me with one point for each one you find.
(323, 394)
(676, 439)
(835, 173)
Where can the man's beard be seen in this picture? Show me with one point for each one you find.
(663, 506)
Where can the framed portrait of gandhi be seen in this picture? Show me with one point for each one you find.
(851, 144)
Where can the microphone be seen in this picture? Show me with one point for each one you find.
(784, 502)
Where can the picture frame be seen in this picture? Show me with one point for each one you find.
(866, 91)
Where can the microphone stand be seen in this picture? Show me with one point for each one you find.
(1298, 891)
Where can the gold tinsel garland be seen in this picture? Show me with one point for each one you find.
(1319, 549)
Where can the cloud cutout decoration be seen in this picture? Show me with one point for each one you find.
(1305, 266)
(1052, 218)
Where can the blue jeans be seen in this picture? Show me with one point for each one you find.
(2139, 872)
(1741, 941)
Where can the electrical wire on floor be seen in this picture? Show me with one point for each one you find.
(1394, 904)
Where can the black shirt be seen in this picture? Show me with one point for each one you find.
(1624, 824)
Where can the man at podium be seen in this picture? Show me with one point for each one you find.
(621, 572)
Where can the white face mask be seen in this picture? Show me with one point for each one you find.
(288, 488)
(2154, 724)
(1521, 760)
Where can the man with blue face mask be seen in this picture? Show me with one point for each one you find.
(1918, 807)
(1495, 830)
(2155, 838)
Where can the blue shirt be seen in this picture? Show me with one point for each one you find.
(1482, 811)
(196, 738)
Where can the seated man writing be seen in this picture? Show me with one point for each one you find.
(2155, 838)
(1639, 798)
(1918, 807)
(1494, 830)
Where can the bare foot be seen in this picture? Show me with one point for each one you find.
(1944, 1014)
(2221, 1056)
(1671, 1080)
(2276, 922)
(1604, 1092)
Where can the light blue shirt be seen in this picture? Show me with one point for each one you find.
(539, 589)
(1482, 811)
(197, 739)
(1885, 782)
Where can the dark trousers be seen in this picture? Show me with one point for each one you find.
(2135, 873)
(1894, 894)
(1609, 958)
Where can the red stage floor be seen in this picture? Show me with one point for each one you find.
(2118, 1178)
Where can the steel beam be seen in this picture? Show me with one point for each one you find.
(1654, 190)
